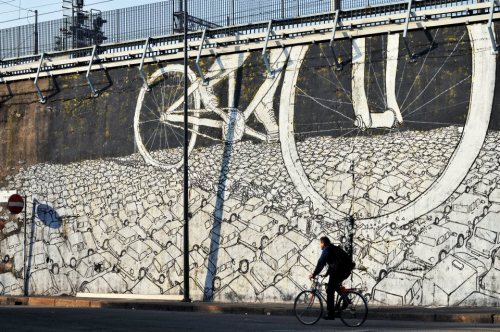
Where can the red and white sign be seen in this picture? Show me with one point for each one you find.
(15, 204)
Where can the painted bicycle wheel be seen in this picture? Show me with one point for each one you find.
(385, 139)
(159, 116)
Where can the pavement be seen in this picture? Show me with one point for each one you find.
(479, 315)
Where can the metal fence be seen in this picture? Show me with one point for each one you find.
(156, 19)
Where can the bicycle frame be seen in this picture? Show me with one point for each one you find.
(316, 289)
(346, 306)
(221, 69)
(231, 121)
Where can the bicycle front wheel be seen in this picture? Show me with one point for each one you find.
(308, 307)
(353, 309)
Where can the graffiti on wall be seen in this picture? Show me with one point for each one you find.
(278, 159)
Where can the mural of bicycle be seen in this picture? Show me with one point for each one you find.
(276, 160)
(384, 103)
(158, 117)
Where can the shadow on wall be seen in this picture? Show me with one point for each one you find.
(50, 218)
(211, 280)
(6, 95)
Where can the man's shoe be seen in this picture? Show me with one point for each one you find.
(329, 317)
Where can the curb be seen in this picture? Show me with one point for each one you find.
(481, 315)
(469, 318)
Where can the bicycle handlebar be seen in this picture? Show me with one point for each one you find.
(316, 282)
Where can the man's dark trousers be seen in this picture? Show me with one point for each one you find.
(334, 283)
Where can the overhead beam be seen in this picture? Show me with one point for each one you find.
(93, 90)
(200, 49)
(405, 32)
(338, 66)
(407, 19)
(141, 66)
(264, 50)
(490, 27)
(41, 97)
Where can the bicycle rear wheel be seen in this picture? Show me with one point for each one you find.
(158, 119)
(352, 308)
(308, 307)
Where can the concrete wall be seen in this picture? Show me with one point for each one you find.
(410, 149)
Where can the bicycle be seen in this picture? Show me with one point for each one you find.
(351, 307)
(346, 114)
(158, 118)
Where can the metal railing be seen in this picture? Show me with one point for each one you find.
(156, 19)
(131, 50)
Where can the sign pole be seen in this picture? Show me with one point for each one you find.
(16, 203)
(24, 261)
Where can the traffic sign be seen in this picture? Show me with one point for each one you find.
(15, 204)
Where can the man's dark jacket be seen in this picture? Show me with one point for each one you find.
(337, 259)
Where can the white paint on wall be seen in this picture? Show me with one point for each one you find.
(287, 139)
(364, 118)
(127, 233)
(390, 75)
(473, 135)
(359, 100)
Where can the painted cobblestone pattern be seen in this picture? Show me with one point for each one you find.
(275, 163)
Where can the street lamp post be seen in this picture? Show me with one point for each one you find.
(36, 32)
(186, 183)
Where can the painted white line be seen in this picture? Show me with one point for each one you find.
(390, 74)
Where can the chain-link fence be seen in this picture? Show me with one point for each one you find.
(157, 19)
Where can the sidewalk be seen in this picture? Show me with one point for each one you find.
(488, 315)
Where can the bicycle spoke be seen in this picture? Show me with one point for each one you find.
(308, 307)
(335, 74)
(418, 75)
(353, 309)
(436, 97)
(323, 105)
(158, 140)
(433, 77)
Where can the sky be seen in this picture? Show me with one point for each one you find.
(17, 12)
